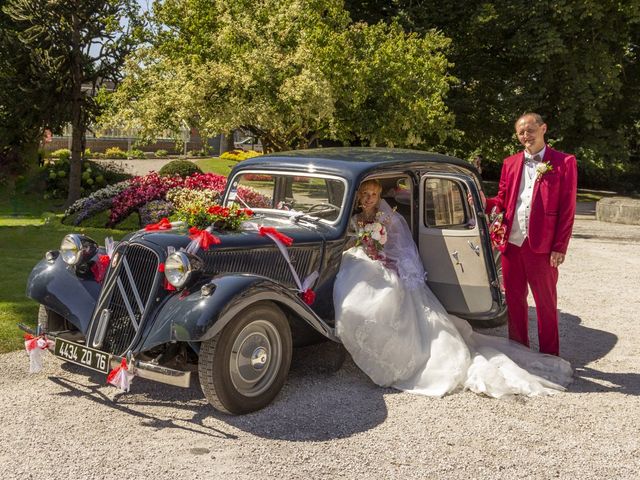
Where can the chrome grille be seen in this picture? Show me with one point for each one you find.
(126, 295)
(266, 262)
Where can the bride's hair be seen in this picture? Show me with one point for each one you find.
(374, 183)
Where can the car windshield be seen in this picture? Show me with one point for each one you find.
(315, 196)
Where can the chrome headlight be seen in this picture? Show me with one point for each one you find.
(179, 269)
(75, 248)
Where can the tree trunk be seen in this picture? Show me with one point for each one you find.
(77, 121)
(226, 142)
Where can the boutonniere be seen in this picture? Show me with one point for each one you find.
(542, 168)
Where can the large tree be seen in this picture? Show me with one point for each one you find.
(292, 72)
(574, 61)
(73, 48)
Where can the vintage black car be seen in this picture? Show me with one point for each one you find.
(234, 312)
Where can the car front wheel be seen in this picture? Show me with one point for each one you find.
(244, 367)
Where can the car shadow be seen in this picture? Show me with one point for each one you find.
(326, 397)
(319, 402)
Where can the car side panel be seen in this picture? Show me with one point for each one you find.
(192, 317)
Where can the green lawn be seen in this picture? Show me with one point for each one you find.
(29, 226)
(22, 247)
(215, 165)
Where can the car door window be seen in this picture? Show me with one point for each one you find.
(444, 204)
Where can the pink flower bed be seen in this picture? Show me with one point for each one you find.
(142, 190)
(154, 187)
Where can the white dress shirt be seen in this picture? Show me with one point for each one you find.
(520, 226)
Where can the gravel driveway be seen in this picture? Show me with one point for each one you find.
(65, 423)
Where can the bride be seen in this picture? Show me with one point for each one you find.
(400, 335)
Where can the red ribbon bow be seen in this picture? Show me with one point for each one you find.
(308, 296)
(31, 342)
(112, 374)
(205, 239)
(99, 268)
(264, 231)
(163, 224)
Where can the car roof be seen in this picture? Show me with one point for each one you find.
(352, 161)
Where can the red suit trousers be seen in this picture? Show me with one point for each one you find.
(521, 267)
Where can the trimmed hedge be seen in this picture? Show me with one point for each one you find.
(184, 168)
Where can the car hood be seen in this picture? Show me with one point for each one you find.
(302, 233)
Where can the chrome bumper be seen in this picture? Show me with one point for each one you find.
(150, 371)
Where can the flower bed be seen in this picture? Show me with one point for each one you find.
(154, 197)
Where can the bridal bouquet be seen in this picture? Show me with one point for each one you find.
(372, 236)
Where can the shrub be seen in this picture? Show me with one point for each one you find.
(239, 155)
(63, 154)
(135, 153)
(161, 153)
(184, 168)
(115, 152)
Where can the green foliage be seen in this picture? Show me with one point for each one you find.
(63, 154)
(49, 53)
(238, 155)
(184, 168)
(576, 62)
(160, 153)
(55, 176)
(135, 153)
(115, 152)
(290, 72)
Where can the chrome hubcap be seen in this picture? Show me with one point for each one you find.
(256, 357)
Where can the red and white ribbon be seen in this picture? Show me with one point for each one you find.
(99, 268)
(201, 239)
(282, 241)
(35, 347)
(163, 224)
(120, 376)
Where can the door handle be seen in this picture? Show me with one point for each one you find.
(475, 248)
(456, 257)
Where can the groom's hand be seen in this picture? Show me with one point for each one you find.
(557, 259)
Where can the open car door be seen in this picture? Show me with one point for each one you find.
(455, 249)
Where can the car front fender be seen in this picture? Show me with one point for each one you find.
(57, 287)
(194, 317)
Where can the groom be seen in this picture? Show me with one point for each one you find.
(537, 193)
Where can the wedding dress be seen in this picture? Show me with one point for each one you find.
(400, 335)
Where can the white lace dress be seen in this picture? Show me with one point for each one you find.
(400, 335)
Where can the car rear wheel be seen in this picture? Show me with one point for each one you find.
(244, 367)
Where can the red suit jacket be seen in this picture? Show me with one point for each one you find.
(553, 204)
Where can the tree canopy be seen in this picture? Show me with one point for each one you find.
(292, 72)
(57, 54)
(576, 62)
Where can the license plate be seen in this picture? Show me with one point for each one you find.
(81, 355)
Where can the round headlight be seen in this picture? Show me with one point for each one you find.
(177, 269)
(71, 249)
